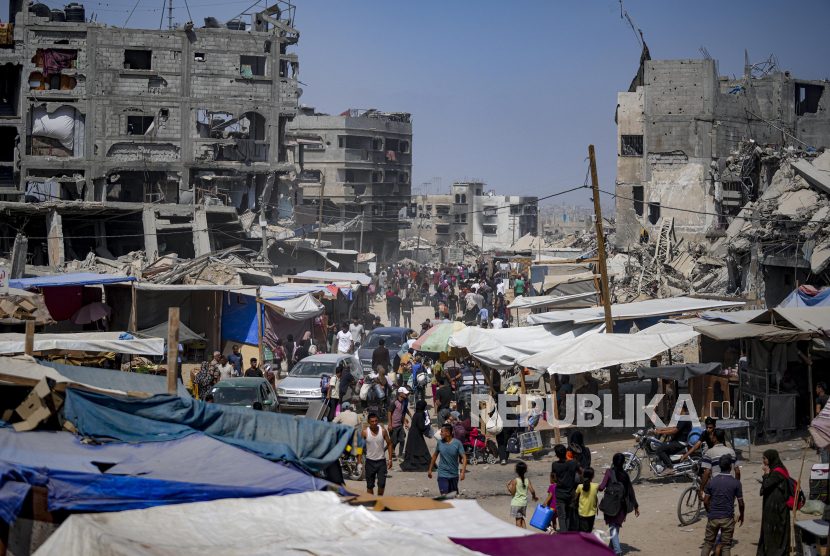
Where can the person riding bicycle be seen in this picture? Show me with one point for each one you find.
(706, 438)
(679, 434)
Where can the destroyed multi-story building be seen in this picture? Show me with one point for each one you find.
(121, 139)
(677, 127)
(472, 214)
(359, 163)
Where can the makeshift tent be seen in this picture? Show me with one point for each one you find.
(113, 477)
(303, 307)
(186, 335)
(570, 285)
(632, 311)
(590, 352)
(548, 301)
(319, 275)
(117, 342)
(679, 372)
(312, 523)
(502, 348)
(77, 279)
(732, 316)
(800, 298)
(290, 291)
(313, 445)
(764, 332)
(239, 320)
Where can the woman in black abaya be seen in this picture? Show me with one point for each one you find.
(417, 454)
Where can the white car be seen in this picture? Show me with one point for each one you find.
(302, 385)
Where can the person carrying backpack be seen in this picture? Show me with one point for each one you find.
(619, 499)
(775, 516)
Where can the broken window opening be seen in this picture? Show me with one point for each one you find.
(489, 230)
(56, 133)
(358, 176)
(653, 213)
(354, 142)
(515, 209)
(403, 177)
(310, 175)
(807, 98)
(442, 229)
(250, 66)
(392, 144)
(376, 177)
(631, 145)
(9, 90)
(222, 125)
(199, 56)
(637, 194)
(138, 59)
(377, 144)
(140, 125)
(8, 140)
(403, 146)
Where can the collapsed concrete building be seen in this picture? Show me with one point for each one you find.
(359, 164)
(472, 214)
(134, 139)
(677, 127)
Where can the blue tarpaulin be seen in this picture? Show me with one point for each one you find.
(310, 444)
(115, 477)
(800, 299)
(239, 318)
(78, 279)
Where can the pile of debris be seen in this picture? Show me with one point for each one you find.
(235, 266)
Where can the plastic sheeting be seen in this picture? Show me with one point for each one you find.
(77, 279)
(308, 524)
(186, 335)
(352, 277)
(465, 520)
(679, 372)
(84, 341)
(239, 320)
(502, 348)
(300, 308)
(116, 477)
(800, 299)
(635, 310)
(313, 445)
(27, 368)
(290, 291)
(596, 351)
(114, 379)
(545, 301)
(58, 124)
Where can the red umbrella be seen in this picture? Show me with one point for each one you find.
(91, 313)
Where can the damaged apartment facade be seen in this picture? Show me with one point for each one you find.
(359, 164)
(131, 139)
(472, 214)
(681, 126)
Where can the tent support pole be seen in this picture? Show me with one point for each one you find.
(795, 506)
(134, 320)
(259, 329)
(810, 380)
(172, 349)
(29, 346)
(555, 418)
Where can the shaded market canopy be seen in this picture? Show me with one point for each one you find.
(186, 335)
(116, 342)
(679, 372)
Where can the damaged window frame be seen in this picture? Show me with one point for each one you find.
(631, 145)
(134, 53)
(258, 69)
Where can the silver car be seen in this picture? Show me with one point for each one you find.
(302, 385)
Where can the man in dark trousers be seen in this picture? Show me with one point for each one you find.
(407, 306)
(565, 471)
(381, 356)
(368, 319)
(393, 305)
(721, 493)
(444, 397)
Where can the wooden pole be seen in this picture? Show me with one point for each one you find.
(810, 379)
(29, 348)
(795, 506)
(172, 349)
(320, 215)
(555, 418)
(259, 331)
(603, 270)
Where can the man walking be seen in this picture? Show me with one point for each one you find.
(398, 422)
(345, 342)
(564, 472)
(393, 305)
(450, 451)
(376, 464)
(407, 305)
(225, 369)
(380, 356)
(721, 493)
(357, 330)
(713, 455)
(444, 397)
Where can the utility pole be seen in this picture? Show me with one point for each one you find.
(362, 218)
(169, 14)
(320, 215)
(420, 225)
(603, 270)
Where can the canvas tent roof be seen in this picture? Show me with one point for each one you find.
(590, 352)
(76, 279)
(141, 475)
(679, 372)
(353, 277)
(290, 291)
(635, 310)
(804, 318)
(732, 316)
(300, 308)
(186, 335)
(84, 341)
(502, 348)
(764, 332)
(546, 301)
(312, 523)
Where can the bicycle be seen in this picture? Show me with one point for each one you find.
(690, 505)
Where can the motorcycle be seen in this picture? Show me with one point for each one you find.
(352, 470)
(648, 442)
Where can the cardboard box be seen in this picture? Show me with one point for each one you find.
(38, 406)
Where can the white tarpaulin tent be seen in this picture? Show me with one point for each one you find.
(300, 308)
(86, 341)
(501, 348)
(308, 524)
(465, 520)
(636, 310)
(596, 351)
(546, 301)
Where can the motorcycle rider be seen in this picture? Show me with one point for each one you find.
(679, 433)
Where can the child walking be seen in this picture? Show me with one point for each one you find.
(550, 502)
(586, 495)
(519, 489)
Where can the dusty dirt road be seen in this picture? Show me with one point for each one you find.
(656, 531)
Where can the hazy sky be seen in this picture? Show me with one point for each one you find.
(511, 93)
